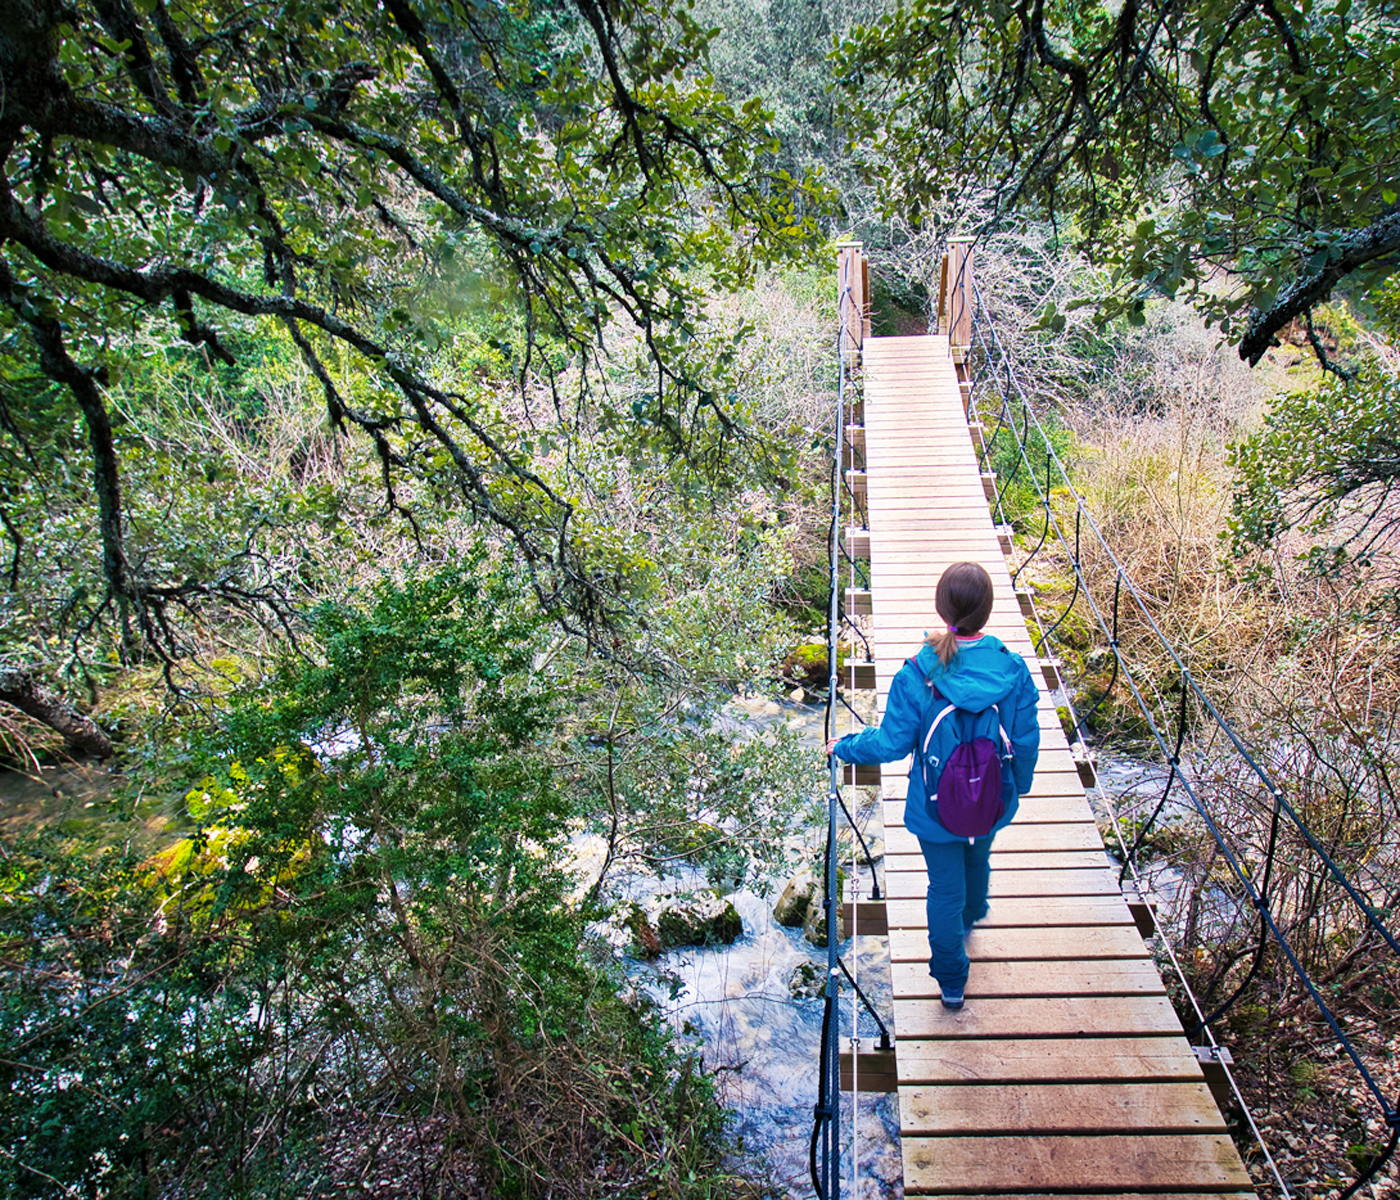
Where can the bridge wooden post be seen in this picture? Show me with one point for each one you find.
(853, 297)
(941, 314)
(958, 276)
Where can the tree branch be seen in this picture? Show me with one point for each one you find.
(1349, 251)
(18, 689)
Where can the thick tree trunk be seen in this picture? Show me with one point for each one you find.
(17, 688)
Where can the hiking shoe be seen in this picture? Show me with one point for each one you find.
(951, 999)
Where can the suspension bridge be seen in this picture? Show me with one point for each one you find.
(1068, 1073)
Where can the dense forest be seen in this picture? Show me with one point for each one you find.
(416, 427)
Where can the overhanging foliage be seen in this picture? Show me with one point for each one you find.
(171, 170)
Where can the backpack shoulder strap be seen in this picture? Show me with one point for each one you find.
(933, 687)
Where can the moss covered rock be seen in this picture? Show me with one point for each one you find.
(809, 666)
(645, 943)
(814, 927)
(806, 981)
(700, 920)
(791, 908)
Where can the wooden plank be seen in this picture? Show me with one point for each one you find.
(906, 634)
(1059, 1108)
(898, 526)
(873, 917)
(1047, 1060)
(1045, 863)
(1007, 865)
(913, 883)
(1022, 911)
(1213, 1194)
(898, 501)
(1054, 759)
(892, 607)
(972, 1165)
(1019, 835)
(1046, 717)
(1138, 1015)
(1047, 784)
(1104, 977)
(876, 1071)
(1066, 836)
(1078, 943)
(1029, 860)
(1034, 810)
(1063, 835)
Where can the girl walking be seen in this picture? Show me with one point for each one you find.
(974, 671)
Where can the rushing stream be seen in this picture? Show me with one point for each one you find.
(79, 798)
(762, 1042)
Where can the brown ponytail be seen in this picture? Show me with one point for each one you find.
(964, 601)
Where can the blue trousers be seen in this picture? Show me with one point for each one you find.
(958, 874)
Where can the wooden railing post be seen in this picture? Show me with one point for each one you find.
(864, 297)
(958, 275)
(853, 298)
(942, 314)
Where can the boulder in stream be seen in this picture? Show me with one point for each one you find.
(808, 665)
(814, 927)
(806, 981)
(791, 909)
(645, 943)
(700, 920)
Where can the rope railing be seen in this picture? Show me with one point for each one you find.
(997, 365)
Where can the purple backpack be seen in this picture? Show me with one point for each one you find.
(961, 754)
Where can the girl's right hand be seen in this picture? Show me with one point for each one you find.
(831, 746)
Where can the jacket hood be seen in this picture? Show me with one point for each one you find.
(982, 674)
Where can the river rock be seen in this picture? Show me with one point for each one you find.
(806, 981)
(645, 943)
(701, 920)
(791, 908)
(814, 927)
(808, 665)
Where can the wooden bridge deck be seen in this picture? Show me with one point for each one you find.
(1067, 1072)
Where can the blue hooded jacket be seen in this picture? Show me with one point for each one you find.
(984, 672)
